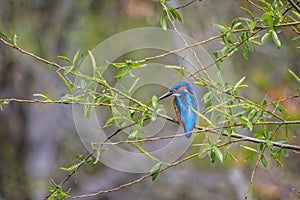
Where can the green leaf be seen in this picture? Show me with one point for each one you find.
(154, 101)
(133, 134)
(218, 153)
(40, 95)
(3, 103)
(212, 156)
(266, 16)
(87, 111)
(270, 22)
(276, 39)
(15, 40)
(235, 25)
(264, 103)
(265, 38)
(250, 126)
(276, 157)
(221, 27)
(163, 21)
(133, 85)
(249, 148)
(245, 19)
(239, 82)
(204, 151)
(217, 63)
(5, 36)
(78, 156)
(68, 69)
(178, 69)
(175, 14)
(294, 75)
(252, 25)
(154, 171)
(94, 64)
(46, 93)
(248, 11)
(269, 144)
(122, 72)
(263, 160)
(65, 82)
(245, 50)
(253, 41)
(119, 65)
(76, 56)
(97, 156)
(68, 60)
(73, 167)
(135, 64)
(89, 160)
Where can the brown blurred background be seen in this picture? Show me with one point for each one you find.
(36, 140)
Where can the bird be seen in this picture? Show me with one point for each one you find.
(183, 103)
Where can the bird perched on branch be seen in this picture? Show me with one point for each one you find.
(183, 103)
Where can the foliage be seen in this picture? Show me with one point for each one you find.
(232, 113)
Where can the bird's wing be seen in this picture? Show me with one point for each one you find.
(188, 117)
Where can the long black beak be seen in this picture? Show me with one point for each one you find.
(165, 95)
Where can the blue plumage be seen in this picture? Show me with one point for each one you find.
(183, 101)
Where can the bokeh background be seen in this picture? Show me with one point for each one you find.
(36, 140)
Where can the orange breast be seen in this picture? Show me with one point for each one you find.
(176, 111)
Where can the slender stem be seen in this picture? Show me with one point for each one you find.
(257, 163)
(147, 175)
(186, 5)
(30, 54)
(294, 5)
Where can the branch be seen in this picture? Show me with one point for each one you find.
(30, 54)
(200, 129)
(147, 175)
(213, 130)
(257, 6)
(294, 5)
(257, 163)
(61, 184)
(147, 58)
(50, 101)
(186, 5)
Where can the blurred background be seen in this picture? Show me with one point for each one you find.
(36, 140)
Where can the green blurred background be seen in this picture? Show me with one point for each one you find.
(35, 141)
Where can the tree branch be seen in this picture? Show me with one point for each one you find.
(147, 175)
(294, 5)
(30, 54)
(186, 5)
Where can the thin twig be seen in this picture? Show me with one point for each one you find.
(200, 129)
(61, 184)
(257, 6)
(184, 41)
(30, 54)
(294, 5)
(147, 175)
(186, 5)
(252, 178)
(50, 101)
(213, 130)
(285, 99)
(257, 163)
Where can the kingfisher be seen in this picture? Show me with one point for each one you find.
(183, 103)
